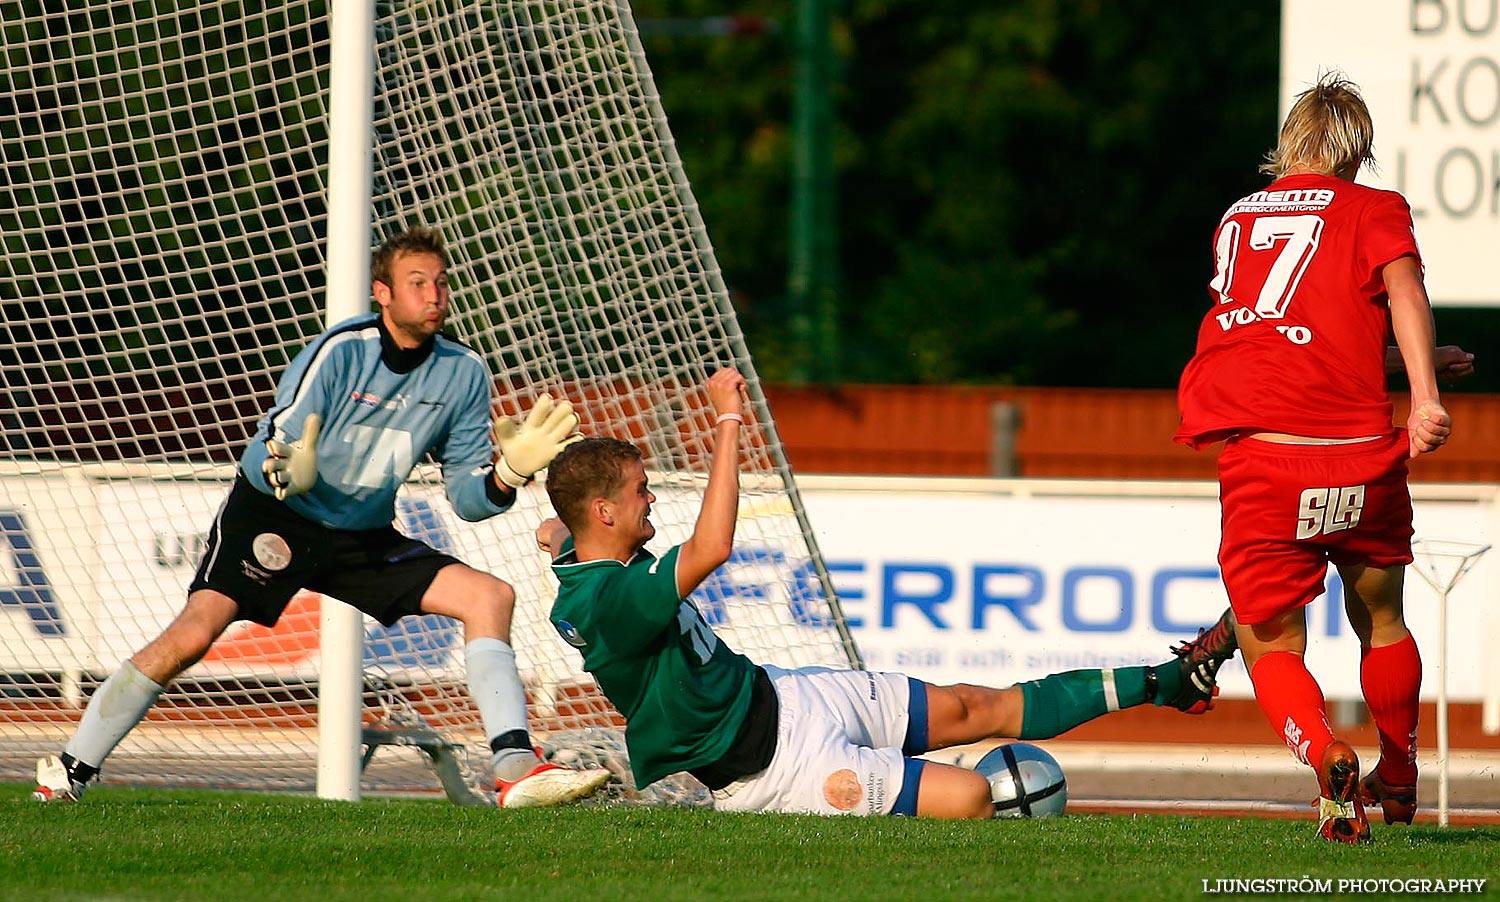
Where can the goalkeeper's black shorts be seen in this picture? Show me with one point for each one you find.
(260, 554)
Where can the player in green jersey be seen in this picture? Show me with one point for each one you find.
(813, 740)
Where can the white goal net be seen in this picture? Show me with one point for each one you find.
(163, 175)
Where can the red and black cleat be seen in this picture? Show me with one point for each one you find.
(1398, 802)
(1341, 813)
(1199, 660)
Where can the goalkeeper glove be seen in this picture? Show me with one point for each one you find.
(293, 468)
(530, 447)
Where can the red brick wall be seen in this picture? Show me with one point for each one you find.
(1063, 433)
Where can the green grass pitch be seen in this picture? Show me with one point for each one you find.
(139, 844)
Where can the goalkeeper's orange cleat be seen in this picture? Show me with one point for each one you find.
(1398, 802)
(1341, 813)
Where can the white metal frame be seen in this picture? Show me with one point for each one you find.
(351, 116)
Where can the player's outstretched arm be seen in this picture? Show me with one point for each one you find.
(1450, 362)
(528, 448)
(1429, 424)
(713, 534)
(292, 467)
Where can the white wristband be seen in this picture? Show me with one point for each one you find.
(729, 417)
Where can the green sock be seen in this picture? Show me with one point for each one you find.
(1061, 701)
(1168, 682)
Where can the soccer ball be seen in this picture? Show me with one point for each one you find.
(1025, 781)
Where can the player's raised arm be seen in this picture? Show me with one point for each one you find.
(713, 534)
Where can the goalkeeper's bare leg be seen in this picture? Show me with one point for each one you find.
(485, 605)
(122, 701)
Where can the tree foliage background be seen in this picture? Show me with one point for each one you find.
(1027, 189)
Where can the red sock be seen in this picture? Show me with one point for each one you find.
(1293, 703)
(1391, 677)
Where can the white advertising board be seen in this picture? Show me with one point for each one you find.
(980, 581)
(93, 568)
(1430, 72)
(1001, 581)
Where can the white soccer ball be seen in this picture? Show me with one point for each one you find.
(1025, 781)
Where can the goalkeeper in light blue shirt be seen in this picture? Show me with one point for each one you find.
(312, 508)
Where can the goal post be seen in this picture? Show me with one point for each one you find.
(350, 180)
(170, 244)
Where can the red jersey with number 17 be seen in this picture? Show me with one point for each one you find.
(1295, 341)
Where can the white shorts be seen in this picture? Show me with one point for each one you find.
(839, 744)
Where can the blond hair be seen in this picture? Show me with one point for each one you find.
(1328, 130)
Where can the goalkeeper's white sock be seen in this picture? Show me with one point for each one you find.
(112, 712)
(495, 686)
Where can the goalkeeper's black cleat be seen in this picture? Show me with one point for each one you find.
(1199, 660)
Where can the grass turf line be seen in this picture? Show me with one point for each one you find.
(136, 844)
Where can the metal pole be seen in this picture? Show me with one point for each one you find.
(1461, 556)
(747, 367)
(351, 111)
(1442, 708)
(812, 277)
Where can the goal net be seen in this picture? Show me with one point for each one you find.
(163, 208)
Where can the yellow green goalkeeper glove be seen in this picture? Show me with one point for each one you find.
(530, 447)
(293, 468)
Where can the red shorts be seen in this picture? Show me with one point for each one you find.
(1291, 510)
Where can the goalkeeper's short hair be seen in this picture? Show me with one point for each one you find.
(415, 240)
(585, 470)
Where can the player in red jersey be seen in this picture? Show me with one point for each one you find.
(1313, 273)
